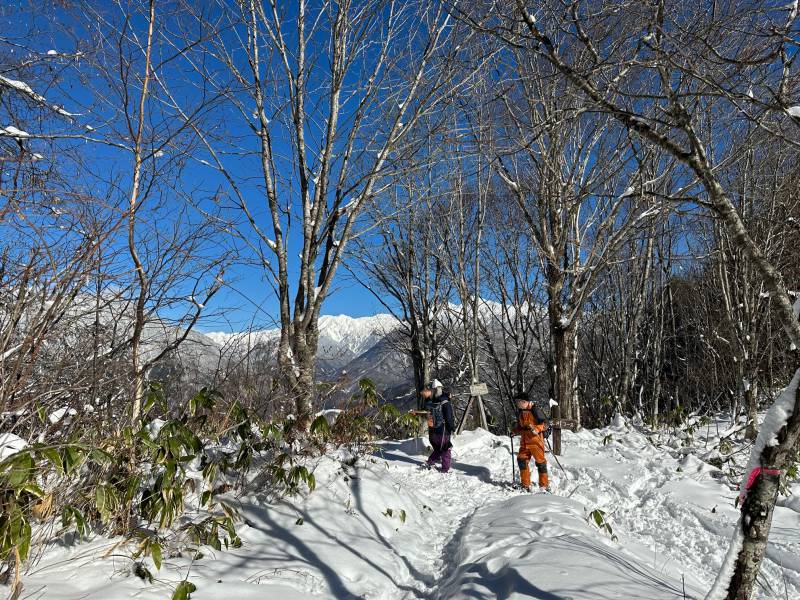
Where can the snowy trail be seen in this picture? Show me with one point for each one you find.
(485, 535)
(472, 483)
(388, 530)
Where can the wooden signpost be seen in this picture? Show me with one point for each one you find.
(478, 389)
(476, 393)
(557, 423)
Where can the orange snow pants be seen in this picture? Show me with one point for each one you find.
(533, 449)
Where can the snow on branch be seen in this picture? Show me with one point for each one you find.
(793, 7)
(23, 88)
(13, 132)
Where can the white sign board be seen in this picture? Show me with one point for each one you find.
(478, 389)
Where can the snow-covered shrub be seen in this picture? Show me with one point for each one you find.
(365, 419)
(599, 518)
(139, 481)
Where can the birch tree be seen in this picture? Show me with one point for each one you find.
(577, 206)
(323, 95)
(461, 228)
(153, 127)
(513, 324)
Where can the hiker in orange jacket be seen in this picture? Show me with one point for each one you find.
(533, 427)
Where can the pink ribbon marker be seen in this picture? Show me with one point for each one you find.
(751, 479)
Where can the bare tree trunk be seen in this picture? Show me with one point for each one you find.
(751, 402)
(576, 404)
(137, 374)
(420, 363)
(305, 351)
(631, 335)
(564, 377)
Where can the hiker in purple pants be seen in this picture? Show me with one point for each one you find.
(441, 423)
(441, 451)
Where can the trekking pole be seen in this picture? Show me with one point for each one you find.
(558, 462)
(566, 475)
(513, 468)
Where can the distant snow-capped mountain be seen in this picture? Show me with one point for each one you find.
(354, 347)
(341, 337)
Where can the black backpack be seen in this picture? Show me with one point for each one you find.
(436, 419)
(536, 411)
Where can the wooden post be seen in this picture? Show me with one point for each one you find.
(555, 420)
(464, 416)
(482, 413)
(422, 428)
(476, 393)
(557, 424)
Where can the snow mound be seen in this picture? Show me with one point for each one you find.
(529, 547)
(59, 414)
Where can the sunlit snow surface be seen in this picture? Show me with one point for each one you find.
(466, 534)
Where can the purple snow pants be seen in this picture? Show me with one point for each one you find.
(441, 450)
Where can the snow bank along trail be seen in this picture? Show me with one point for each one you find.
(668, 500)
(386, 529)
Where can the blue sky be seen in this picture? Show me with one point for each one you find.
(247, 299)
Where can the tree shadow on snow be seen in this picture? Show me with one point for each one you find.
(262, 520)
(629, 580)
(270, 527)
(391, 456)
(626, 570)
(478, 472)
(481, 473)
(413, 571)
(500, 585)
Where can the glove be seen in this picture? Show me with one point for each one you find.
(546, 433)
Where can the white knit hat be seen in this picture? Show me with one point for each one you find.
(435, 384)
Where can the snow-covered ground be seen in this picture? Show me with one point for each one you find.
(386, 529)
